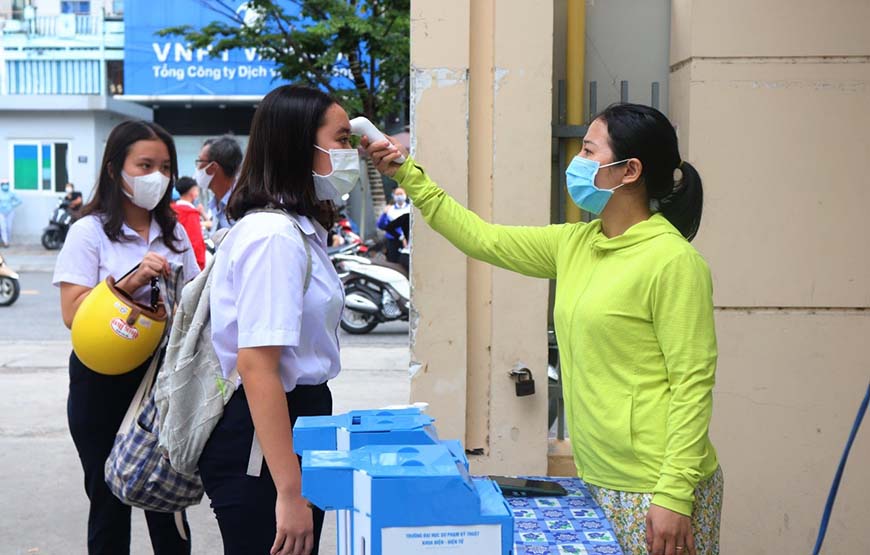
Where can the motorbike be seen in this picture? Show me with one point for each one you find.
(375, 292)
(9, 286)
(58, 226)
(349, 252)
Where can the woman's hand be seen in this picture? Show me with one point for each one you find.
(153, 265)
(383, 154)
(294, 526)
(668, 533)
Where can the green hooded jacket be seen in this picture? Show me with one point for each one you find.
(637, 341)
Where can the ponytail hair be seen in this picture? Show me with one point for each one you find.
(673, 186)
(685, 203)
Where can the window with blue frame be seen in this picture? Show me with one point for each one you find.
(75, 7)
(39, 166)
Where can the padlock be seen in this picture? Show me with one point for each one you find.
(525, 382)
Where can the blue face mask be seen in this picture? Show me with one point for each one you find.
(580, 177)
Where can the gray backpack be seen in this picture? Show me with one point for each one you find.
(191, 390)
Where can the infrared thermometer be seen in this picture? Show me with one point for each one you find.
(362, 126)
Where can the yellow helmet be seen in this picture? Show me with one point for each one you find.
(112, 334)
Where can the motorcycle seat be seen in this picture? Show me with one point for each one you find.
(393, 266)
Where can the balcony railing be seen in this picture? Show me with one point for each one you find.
(60, 26)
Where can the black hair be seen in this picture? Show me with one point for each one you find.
(108, 197)
(184, 184)
(279, 161)
(226, 152)
(644, 133)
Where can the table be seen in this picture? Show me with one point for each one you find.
(573, 524)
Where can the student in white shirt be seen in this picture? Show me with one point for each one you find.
(282, 336)
(128, 222)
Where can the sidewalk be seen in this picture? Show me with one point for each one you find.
(29, 258)
(44, 507)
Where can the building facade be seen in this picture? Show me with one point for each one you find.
(61, 62)
(771, 102)
(70, 70)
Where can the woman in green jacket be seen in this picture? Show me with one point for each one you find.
(634, 319)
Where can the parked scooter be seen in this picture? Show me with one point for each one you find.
(347, 255)
(375, 292)
(9, 286)
(58, 226)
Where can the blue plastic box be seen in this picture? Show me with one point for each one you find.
(410, 499)
(357, 429)
(363, 427)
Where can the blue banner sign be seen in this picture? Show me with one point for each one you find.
(158, 66)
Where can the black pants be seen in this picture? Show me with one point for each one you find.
(95, 408)
(393, 246)
(245, 505)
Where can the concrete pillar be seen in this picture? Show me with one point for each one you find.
(480, 119)
(772, 104)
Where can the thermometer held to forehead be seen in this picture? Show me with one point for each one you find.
(362, 126)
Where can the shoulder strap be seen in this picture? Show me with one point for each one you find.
(307, 281)
(219, 236)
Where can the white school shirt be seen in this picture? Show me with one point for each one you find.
(88, 255)
(257, 298)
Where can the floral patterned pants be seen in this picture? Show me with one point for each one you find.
(627, 514)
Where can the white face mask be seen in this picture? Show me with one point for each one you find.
(344, 175)
(202, 178)
(147, 189)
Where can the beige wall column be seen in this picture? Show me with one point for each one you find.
(481, 108)
(772, 104)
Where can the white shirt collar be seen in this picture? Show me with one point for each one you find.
(154, 231)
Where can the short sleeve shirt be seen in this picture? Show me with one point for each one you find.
(257, 297)
(88, 255)
(218, 208)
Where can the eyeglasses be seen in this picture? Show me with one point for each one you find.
(198, 162)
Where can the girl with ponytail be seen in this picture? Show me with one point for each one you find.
(634, 320)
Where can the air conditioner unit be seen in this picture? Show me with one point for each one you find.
(66, 26)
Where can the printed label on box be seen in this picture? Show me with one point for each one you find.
(455, 540)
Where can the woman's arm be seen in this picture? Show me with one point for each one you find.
(531, 251)
(71, 296)
(685, 329)
(383, 220)
(274, 262)
(77, 269)
(258, 368)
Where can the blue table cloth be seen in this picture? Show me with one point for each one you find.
(573, 524)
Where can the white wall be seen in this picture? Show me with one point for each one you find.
(772, 102)
(77, 129)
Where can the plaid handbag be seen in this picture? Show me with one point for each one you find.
(137, 471)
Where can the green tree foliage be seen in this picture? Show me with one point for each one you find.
(366, 41)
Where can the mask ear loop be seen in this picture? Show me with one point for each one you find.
(331, 162)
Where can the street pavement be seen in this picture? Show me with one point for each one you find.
(43, 508)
